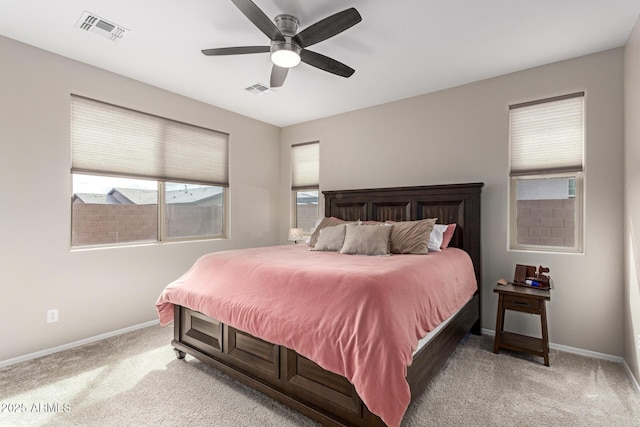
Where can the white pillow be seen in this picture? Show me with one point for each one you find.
(435, 239)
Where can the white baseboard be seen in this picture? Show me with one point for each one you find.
(74, 344)
(634, 381)
(587, 353)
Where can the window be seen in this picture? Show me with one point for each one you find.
(546, 163)
(193, 210)
(305, 159)
(142, 178)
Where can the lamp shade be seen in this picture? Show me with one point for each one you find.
(295, 234)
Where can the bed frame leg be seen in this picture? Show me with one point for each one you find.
(476, 329)
(179, 354)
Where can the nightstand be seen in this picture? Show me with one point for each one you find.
(526, 300)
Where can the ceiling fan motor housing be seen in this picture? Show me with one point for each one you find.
(287, 24)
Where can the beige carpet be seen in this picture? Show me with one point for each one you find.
(135, 380)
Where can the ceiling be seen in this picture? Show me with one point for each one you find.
(400, 49)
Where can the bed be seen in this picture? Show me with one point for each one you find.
(259, 350)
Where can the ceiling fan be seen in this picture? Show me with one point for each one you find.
(288, 47)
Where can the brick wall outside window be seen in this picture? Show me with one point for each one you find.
(103, 224)
(546, 222)
(307, 216)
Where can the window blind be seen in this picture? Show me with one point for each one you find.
(305, 159)
(107, 139)
(548, 135)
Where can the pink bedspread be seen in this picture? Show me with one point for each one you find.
(360, 317)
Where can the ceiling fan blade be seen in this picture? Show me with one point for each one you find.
(259, 19)
(325, 63)
(328, 27)
(278, 75)
(236, 50)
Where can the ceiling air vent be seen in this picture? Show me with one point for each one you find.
(259, 89)
(96, 25)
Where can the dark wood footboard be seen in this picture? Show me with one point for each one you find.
(296, 381)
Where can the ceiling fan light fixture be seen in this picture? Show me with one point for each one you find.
(288, 45)
(285, 54)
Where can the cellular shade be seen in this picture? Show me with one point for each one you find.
(106, 139)
(547, 136)
(306, 166)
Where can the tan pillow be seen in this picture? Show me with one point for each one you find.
(326, 222)
(366, 240)
(330, 238)
(411, 237)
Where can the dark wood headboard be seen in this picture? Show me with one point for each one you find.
(455, 203)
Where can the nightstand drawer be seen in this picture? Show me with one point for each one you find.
(521, 303)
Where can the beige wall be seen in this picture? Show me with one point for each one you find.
(99, 291)
(456, 135)
(632, 199)
(461, 135)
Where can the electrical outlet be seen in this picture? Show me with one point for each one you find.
(52, 315)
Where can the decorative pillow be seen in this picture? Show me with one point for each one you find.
(330, 238)
(411, 237)
(447, 235)
(326, 222)
(366, 240)
(435, 239)
(371, 223)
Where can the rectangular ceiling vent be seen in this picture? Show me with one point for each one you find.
(96, 25)
(259, 89)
